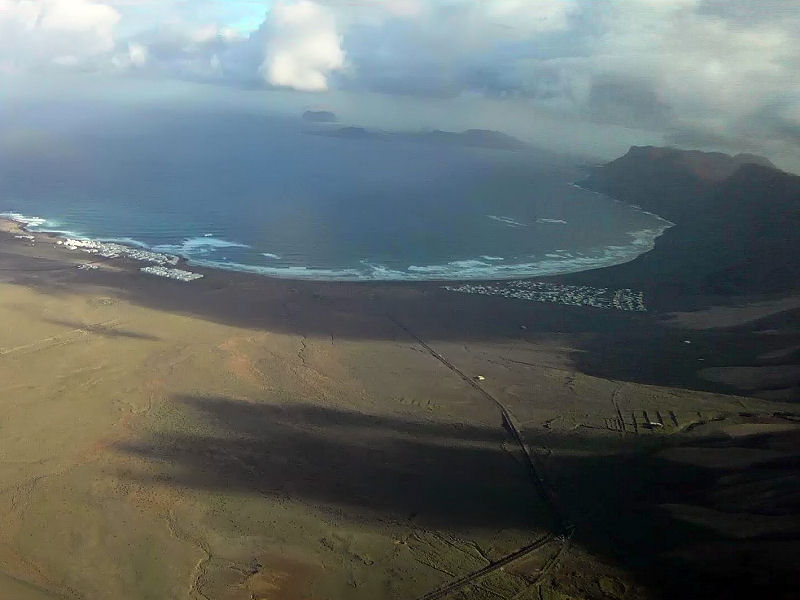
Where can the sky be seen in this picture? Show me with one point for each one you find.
(584, 76)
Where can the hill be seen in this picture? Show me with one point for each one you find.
(667, 181)
(475, 138)
(319, 116)
(736, 222)
(479, 138)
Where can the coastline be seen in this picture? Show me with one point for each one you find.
(605, 304)
(600, 301)
(239, 297)
(112, 254)
(482, 269)
(532, 288)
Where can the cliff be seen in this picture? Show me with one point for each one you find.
(667, 181)
(737, 222)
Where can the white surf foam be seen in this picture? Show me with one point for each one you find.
(196, 246)
(28, 221)
(506, 221)
(580, 187)
(42, 225)
(463, 265)
(127, 241)
(470, 269)
(288, 272)
(555, 221)
(485, 267)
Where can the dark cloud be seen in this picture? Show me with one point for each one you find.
(626, 101)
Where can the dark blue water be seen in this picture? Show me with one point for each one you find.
(266, 195)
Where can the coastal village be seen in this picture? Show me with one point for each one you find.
(176, 274)
(573, 295)
(114, 250)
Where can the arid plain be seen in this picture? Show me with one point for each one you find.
(245, 438)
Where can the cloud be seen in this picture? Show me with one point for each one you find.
(698, 61)
(137, 54)
(62, 32)
(724, 71)
(303, 46)
(715, 75)
(527, 16)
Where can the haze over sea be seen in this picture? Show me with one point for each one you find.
(268, 195)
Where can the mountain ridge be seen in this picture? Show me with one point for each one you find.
(474, 138)
(737, 222)
(662, 178)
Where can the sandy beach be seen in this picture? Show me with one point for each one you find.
(239, 437)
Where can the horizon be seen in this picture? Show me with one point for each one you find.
(571, 76)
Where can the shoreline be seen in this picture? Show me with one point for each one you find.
(20, 228)
(534, 288)
(633, 321)
(558, 263)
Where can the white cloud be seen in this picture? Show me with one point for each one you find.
(210, 32)
(698, 60)
(303, 46)
(527, 15)
(136, 57)
(721, 78)
(54, 31)
(404, 8)
(137, 53)
(693, 69)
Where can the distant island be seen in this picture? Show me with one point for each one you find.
(349, 132)
(475, 138)
(737, 222)
(479, 138)
(319, 116)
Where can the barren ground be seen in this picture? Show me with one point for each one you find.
(242, 438)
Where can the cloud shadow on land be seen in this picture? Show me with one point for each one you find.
(453, 477)
(108, 331)
(432, 472)
(612, 344)
(637, 347)
(343, 310)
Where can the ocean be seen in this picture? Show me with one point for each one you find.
(271, 196)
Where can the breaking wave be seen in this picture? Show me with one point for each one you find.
(197, 246)
(506, 221)
(205, 250)
(32, 222)
(481, 268)
(40, 224)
